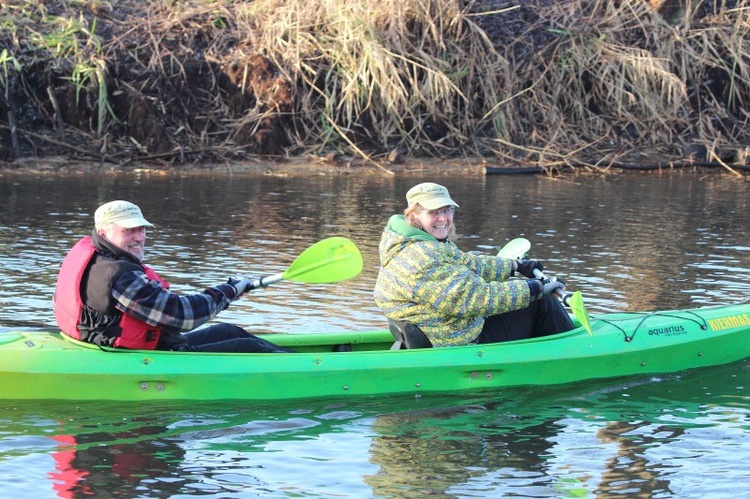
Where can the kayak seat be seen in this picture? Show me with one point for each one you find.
(407, 336)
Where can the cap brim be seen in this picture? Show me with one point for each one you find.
(435, 203)
(131, 223)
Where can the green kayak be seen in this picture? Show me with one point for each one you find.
(47, 365)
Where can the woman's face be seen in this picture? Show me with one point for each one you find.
(436, 222)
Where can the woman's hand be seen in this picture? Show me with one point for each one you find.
(526, 267)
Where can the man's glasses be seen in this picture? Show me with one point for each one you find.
(449, 210)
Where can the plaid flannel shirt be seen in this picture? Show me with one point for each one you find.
(144, 299)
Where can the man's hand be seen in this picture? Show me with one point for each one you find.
(241, 285)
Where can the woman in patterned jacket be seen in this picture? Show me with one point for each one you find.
(458, 298)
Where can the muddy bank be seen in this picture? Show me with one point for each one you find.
(432, 168)
(280, 167)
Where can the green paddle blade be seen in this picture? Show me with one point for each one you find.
(331, 260)
(515, 249)
(580, 312)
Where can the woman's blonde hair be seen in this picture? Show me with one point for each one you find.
(409, 215)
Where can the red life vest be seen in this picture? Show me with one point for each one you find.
(68, 305)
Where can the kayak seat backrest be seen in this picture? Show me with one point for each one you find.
(407, 335)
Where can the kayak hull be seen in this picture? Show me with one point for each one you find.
(48, 365)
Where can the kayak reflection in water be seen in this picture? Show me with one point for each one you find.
(459, 298)
(106, 296)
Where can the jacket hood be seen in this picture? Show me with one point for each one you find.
(398, 224)
(397, 234)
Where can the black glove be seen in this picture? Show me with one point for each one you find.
(526, 267)
(241, 285)
(541, 287)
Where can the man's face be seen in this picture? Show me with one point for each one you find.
(131, 240)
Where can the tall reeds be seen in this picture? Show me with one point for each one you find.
(626, 84)
(380, 73)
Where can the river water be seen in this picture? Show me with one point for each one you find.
(632, 242)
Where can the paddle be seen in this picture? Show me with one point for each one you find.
(517, 248)
(331, 260)
(575, 302)
(580, 312)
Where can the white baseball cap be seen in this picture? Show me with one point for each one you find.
(123, 213)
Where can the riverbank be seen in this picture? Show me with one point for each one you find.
(539, 86)
(297, 167)
(310, 167)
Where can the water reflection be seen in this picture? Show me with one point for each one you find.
(132, 459)
(645, 437)
(642, 439)
(123, 450)
(441, 453)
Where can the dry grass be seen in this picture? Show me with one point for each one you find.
(380, 73)
(621, 84)
(581, 83)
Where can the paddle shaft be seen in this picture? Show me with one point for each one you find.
(517, 248)
(572, 300)
(264, 282)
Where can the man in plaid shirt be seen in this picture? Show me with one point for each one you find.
(106, 296)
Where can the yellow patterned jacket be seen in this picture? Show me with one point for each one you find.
(441, 289)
